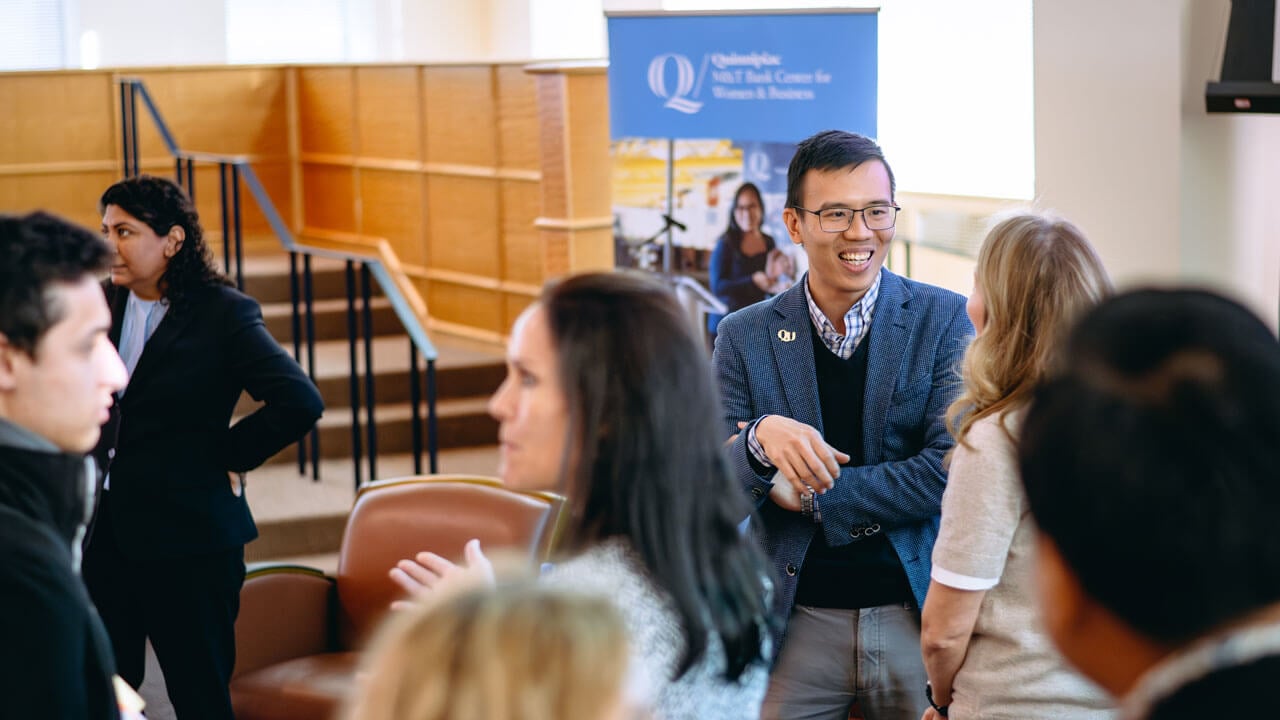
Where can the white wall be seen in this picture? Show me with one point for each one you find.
(152, 32)
(1125, 149)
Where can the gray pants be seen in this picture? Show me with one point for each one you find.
(832, 658)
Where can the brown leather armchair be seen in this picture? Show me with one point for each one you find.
(299, 632)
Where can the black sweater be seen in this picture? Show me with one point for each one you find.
(56, 660)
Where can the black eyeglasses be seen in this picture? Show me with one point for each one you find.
(838, 220)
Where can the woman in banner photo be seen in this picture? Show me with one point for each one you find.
(746, 265)
(984, 650)
(608, 400)
(166, 558)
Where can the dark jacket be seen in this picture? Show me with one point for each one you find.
(730, 275)
(56, 660)
(173, 439)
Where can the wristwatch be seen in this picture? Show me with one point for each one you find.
(928, 693)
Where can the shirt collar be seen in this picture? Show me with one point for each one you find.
(857, 321)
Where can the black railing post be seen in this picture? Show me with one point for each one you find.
(433, 438)
(235, 208)
(415, 401)
(354, 385)
(295, 325)
(191, 179)
(223, 197)
(309, 300)
(124, 127)
(370, 397)
(133, 127)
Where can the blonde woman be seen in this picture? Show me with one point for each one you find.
(983, 649)
(518, 651)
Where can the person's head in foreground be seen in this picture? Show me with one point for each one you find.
(1152, 467)
(58, 369)
(609, 400)
(518, 651)
(1035, 276)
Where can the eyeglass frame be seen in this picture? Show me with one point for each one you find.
(896, 209)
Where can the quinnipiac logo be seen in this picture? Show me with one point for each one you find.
(677, 97)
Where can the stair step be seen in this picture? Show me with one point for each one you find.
(461, 371)
(266, 278)
(459, 423)
(297, 516)
(330, 319)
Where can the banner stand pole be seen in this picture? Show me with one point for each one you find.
(671, 204)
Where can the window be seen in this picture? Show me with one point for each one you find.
(32, 35)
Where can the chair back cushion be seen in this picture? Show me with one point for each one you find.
(396, 519)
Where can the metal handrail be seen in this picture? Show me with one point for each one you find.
(372, 266)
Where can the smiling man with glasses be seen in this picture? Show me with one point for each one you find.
(835, 391)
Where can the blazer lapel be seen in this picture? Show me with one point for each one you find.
(892, 325)
(790, 336)
(153, 352)
(117, 300)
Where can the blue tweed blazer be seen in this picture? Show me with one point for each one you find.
(918, 336)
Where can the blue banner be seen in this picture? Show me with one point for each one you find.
(769, 77)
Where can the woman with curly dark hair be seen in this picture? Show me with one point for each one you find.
(166, 558)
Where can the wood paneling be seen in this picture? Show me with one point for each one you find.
(463, 224)
(588, 148)
(391, 207)
(517, 118)
(57, 117)
(521, 258)
(462, 305)
(461, 116)
(74, 196)
(231, 110)
(388, 113)
(330, 193)
(325, 112)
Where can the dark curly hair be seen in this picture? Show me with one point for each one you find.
(36, 252)
(162, 204)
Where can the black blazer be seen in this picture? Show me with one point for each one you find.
(173, 442)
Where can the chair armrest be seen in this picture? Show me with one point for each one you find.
(286, 612)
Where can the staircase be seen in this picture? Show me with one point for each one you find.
(298, 517)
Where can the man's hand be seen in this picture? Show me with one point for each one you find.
(931, 714)
(428, 574)
(802, 457)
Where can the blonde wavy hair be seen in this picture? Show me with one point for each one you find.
(517, 651)
(1037, 274)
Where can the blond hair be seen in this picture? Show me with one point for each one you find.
(1037, 274)
(515, 651)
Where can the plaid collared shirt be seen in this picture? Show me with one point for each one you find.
(857, 323)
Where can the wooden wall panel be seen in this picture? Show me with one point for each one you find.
(74, 196)
(325, 112)
(57, 118)
(521, 258)
(463, 225)
(553, 144)
(517, 118)
(515, 304)
(330, 197)
(460, 115)
(388, 113)
(277, 180)
(224, 110)
(589, 98)
(391, 207)
(463, 305)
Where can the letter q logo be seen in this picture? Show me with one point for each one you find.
(677, 100)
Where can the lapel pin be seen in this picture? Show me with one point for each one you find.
(786, 335)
